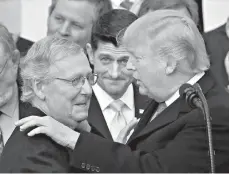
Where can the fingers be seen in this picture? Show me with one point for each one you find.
(132, 125)
(129, 127)
(122, 137)
(24, 120)
(32, 123)
(38, 130)
(84, 126)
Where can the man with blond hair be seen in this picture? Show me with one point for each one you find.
(167, 51)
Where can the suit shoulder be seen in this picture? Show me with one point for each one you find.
(21, 152)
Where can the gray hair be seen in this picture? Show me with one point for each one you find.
(170, 35)
(43, 54)
(152, 5)
(7, 39)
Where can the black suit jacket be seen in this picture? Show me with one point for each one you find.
(175, 141)
(217, 45)
(23, 45)
(96, 118)
(32, 154)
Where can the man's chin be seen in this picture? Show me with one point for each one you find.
(80, 116)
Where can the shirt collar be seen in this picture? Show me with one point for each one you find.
(176, 95)
(106, 99)
(10, 107)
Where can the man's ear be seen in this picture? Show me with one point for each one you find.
(38, 88)
(90, 53)
(170, 67)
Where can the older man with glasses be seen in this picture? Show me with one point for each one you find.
(57, 81)
(9, 60)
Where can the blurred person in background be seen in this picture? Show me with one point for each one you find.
(187, 7)
(73, 19)
(217, 45)
(9, 91)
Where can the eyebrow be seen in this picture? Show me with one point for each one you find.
(110, 56)
(125, 57)
(104, 54)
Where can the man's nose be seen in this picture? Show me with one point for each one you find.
(86, 88)
(114, 71)
(64, 29)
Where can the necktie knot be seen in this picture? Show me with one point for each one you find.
(117, 105)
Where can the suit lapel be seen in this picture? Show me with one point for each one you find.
(140, 101)
(164, 118)
(170, 114)
(144, 119)
(96, 118)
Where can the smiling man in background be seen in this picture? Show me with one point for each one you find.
(116, 101)
(72, 19)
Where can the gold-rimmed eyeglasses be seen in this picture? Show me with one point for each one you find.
(78, 82)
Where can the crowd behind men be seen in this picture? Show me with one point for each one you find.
(100, 92)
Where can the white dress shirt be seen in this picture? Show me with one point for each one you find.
(105, 100)
(10, 116)
(176, 95)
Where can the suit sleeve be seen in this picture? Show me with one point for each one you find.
(33, 154)
(186, 152)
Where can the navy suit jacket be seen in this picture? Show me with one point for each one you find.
(175, 141)
(217, 45)
(96, 118)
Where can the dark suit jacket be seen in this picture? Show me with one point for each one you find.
(96, 118)
(23, 45)
(32, 154)
(217, 45)
(175, 141)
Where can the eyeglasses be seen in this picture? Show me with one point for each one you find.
(2, 68)
(78, 82)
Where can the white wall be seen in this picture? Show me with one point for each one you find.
(34, 17)
(215, 13)
(30, 16)
(10, 15)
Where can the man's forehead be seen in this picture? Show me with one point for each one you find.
(76, 10)
(106, 47)
(71, 65)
